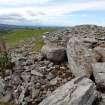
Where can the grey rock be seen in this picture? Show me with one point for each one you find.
(99, 73)
(50, 65)
(7, 72)
(22, 59)
(35, 92)
(102, 102)
(39, 57)
(101, 52)
(50, 76)
(25, 76)
(38, 85)
(29, 62)
(54, 81)
(90, 40)
(2, 86)
(16, 80)
(80, 57)
(54, 53)
(6, 98)
(22, 95)
(34, 72)
(79, 91)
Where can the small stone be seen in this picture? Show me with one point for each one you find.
(22, 59)
(35, 92)
(48, 93)
(50, 65)
(50, 76)
(7, 72)
(38, 85)
(43, 68)
(2, 86)
(22, 95)
(62, 68)
(57, 66)
(29, 62)
(34, 72)
(54, 81)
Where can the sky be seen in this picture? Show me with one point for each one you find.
(52, 12)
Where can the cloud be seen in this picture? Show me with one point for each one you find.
(47, 11)
(23, 2)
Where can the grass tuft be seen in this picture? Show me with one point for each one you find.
(38, 44)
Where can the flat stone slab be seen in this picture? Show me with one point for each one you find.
(79, 91)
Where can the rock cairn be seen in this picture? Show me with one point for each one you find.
(69, 70)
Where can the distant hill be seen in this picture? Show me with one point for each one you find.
(8, 27)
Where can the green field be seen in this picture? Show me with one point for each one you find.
(15, 36)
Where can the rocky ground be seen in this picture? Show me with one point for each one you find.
(48, 78)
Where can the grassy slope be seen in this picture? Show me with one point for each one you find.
(15, 36)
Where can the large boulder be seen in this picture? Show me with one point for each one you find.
(79, 91)
(54, 53)
(80, 56)
(99, 73)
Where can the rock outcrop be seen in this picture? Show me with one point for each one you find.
(79, 91)
(80, 56)
(46, 77)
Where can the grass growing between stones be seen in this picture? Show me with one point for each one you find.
(38, 43)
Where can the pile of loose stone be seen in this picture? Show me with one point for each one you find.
(33, 78)
(69, 70)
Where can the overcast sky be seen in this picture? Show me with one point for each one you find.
(52, 12)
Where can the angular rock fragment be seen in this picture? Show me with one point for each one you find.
(2, 86)
(79, 91)
(34, 72)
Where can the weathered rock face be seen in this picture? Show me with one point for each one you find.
(80, 56)
(99, 73)
(79, 91)
(54, 53)
(100, 53)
